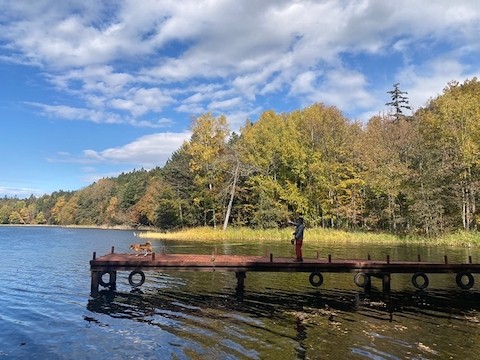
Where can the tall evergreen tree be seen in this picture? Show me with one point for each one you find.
(399, 101)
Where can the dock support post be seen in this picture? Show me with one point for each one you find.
(386, 285)
(240, 275)
(94, 284)
(113, 280)
(368, 286)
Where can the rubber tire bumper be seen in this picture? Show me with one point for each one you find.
(315, 282)
(110, 280)
(138, 283)
(361, 279)
(417, 284)
(460, 277)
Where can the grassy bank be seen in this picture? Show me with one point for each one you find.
(311, 235)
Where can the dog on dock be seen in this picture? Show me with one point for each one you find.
(139, 248)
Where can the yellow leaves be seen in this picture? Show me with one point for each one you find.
(264, 143)
(112, 207)
(453, 120)
(292, 195)
(64, 210)
(208, 141)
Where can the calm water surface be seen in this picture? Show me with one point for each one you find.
(46, 311)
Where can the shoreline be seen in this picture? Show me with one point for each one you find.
(99, 227)
(457, 239)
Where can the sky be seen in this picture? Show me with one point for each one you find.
(91, 89)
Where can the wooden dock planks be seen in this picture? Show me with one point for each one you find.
(241, 264)
(244, 263)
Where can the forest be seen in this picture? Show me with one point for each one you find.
(404, 172)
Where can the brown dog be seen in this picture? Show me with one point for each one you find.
(146, 248)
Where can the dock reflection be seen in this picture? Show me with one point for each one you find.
(137, 304)
(303, 323)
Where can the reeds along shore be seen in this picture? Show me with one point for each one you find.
(468, 239)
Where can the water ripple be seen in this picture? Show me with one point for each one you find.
(47, 312)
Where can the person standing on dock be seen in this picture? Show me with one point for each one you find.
(298, 237)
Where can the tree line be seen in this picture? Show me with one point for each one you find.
(406, 174)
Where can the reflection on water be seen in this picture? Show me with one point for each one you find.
(366, 325)
(46, 311)
(437, 304)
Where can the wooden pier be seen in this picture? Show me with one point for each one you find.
(109, 264)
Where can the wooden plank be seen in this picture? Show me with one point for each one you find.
(199, 262)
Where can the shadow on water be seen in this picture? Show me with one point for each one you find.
(137, 305)
(311, 321)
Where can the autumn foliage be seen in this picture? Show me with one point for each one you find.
(417, 173)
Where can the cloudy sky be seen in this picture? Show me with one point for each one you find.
(92, 88)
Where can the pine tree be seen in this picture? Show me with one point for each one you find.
(399, 101)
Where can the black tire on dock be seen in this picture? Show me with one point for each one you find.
(418, 285)
(459, 279)
(361, 279)
(316, 282)
(136, 283)
(110, 278)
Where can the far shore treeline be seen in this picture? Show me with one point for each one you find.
(408, 174)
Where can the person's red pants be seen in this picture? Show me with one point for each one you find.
(298, 249)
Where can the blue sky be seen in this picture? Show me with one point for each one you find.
(94, 88)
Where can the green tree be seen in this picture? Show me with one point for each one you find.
(178, 177)
(399, 101)
(146, 209)
(40, 218)
(386, 144)
(271, 149)
(207, 148)
(425, 191)
(93, 201)
(132, 188)
(168, 209)
(5, 211)
(450, 126)
(330, 180)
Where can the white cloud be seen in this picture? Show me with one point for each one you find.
(225, 104)
(151, 64)
(148, 151)
(343, 88)
(304, 83)
(141, 101)
(95, 79)
(121, 57)
(428, 81)
(20, 192)
(73, 113)
(99, 116)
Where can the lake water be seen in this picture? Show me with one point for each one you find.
(46, 311)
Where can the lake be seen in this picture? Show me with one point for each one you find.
(46, 311)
